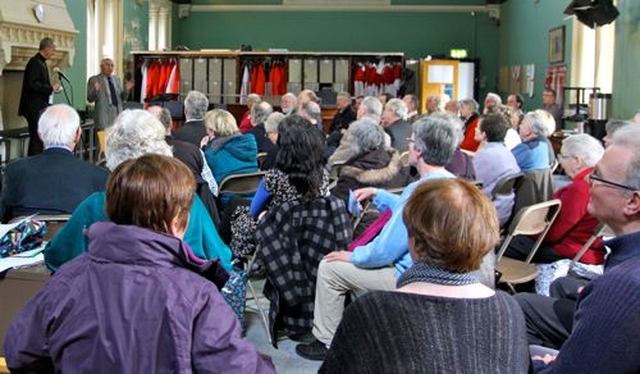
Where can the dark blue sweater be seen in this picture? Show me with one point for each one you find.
(606, 328)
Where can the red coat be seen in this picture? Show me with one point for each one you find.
(469, 142)
(574, 225)
(245, 122)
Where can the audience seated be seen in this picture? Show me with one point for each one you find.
(494, 161)
(490, 102)
(345, 114)
(193, 130)
(514, 118)
(245, 121)
(192, 156)
(373, 165)
(371, 108)
(271, 127)
(441, 318)
(453, 107)
(299, 169)
(395, 124)
(135, 133)
(535, 152)
(139, 300)
(603, 333)
(376, 265)
(226, 150)
(413, 105)
(288, 103)
(259, 113)
(469, 113)
(573, 225)
(55, 181)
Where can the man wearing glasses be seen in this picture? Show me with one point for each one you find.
(605, 330)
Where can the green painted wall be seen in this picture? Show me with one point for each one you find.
(524, 37)
(77, 73)
(626, 90)
(416, 34)
(136, 27)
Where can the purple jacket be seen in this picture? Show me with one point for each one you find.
(137, 302)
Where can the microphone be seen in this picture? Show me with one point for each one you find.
(61, 74)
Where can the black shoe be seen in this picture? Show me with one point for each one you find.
(302, 337)
(315, 351)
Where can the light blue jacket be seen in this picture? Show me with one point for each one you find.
(391, 246)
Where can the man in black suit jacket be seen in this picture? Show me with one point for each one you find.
(259, 114)
(193, 130)
(55, 181)
(36, 89)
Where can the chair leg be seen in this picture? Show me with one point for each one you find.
(254, 294)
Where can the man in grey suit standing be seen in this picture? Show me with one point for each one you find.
(105, 89)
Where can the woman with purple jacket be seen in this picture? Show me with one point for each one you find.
(138, 301)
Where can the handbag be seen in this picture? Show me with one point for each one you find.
(25, 236)
(234, 292)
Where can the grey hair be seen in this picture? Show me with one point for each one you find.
(494, 97)
(273, 121)
(365, 135)
(470, 103)
(58, 125)
(46, 43)
(195, 105)
(585, 146)
(346, 95)
(372, 108)
(161, 113)
(260, 112)
(614, 124)
(413, 99)
(398, 107)
(629, 137)
(437, 136)
(312, 110)
(254, 98)
(135, 132)
(541, 122)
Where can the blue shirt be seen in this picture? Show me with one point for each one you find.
(391, 246)
(532, 155)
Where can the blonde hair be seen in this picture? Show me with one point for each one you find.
(221, 122)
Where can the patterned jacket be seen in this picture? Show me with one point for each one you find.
(291, 240)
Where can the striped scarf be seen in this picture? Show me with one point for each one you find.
(422, 272)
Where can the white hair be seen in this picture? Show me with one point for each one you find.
(585, 146)
(195, 105)
(273, 121)
(58, 125)
(541, 122)
(398, 107)
(135, 132)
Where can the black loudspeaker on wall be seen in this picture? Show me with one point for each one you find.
(593, 12)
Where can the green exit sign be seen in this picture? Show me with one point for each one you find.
(458, 53)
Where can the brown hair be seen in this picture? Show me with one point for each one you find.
(150, 192)
(451, 224)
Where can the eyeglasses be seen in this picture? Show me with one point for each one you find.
(595, 178)
(561, 157)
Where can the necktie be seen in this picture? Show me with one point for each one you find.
(112, 90)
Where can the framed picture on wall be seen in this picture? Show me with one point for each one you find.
(556, 45)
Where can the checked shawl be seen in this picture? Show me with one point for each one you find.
(292, 239)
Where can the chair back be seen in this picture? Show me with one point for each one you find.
(532, 220)
(506, 185)
(102, 141)
(600, 230)
(239, 184)
(532, 188)
(261, 157)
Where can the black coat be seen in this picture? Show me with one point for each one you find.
(36, 88)
(53, 182)
(191, 132)
(342, 119)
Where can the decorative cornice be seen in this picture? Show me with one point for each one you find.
(18, 43)
(343, 8)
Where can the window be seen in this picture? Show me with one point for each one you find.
(104, 34)
(592, 56)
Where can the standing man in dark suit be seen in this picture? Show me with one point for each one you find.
(54, 181)
(105, 89)
(193, 130)
(36, 90)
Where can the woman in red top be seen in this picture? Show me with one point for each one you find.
(574, 225)
(245, 122)
(469, 112)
